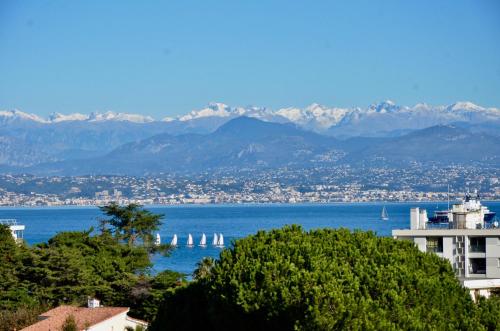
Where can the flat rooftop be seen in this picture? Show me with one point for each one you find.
(446, 232)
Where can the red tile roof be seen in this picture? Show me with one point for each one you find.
(54, 319)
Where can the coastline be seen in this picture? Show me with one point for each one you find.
(244, 204)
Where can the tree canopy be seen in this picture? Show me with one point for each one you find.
(72, 266)
(132, 223)
(326, 279)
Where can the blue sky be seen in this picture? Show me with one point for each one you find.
(166, 58)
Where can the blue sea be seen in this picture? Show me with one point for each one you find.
(233, 221)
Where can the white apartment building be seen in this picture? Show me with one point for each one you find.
(465, 239)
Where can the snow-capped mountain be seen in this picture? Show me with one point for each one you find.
(27, 139)
(123, 117)
(378, 118)
(315, 116)
(9, 116)
(221, 110)
(58, 117)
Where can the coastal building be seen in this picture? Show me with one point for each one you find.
(16, 229)
(91, 318)
(467, 236)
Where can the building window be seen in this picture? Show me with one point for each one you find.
(477, 244)
(477, 266)
(498, 263)
(435, 244)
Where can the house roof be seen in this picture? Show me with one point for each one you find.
(85, 317)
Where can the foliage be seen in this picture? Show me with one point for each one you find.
(323, 280)
(147, 294)
(20, 317)
(489, 312)
(203, 268)
(74, 265)
(132, 222)
(69, 324)
(13, 291)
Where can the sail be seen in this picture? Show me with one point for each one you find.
(174, 241)
(220, 242)
(190, 240)
(216, 240)
(384, 215)
(158, 240)
(203, 241)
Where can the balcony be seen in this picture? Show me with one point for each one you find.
(434, 244)
(477, 249)
(477, 266)
(477, 245)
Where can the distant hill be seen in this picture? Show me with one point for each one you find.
(242, 142)
(250, 143)
(442, 144)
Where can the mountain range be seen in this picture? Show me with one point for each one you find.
(220, 136)
(330, 120)
(249, 143)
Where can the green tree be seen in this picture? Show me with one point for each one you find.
(74, 265)
(203, 268)
(326, 279)
(132, 223)
(489, 312)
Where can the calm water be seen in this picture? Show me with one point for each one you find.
(233, 221)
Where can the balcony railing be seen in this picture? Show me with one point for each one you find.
(8, 222)
(436, 249)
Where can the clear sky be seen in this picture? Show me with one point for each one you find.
(167, 58)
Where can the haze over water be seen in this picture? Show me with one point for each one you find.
(233, 221)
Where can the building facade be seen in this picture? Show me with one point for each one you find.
(465, 239)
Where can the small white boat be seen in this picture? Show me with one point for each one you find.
(384, 216)
(190, 242)
(220, 242)
(216, 240)
(203, 241)
(158, 240)
(174, 241)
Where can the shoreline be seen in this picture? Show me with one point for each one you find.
(245, 204)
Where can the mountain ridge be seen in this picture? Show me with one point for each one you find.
(326, 117)
(27, 140)
(250, 143)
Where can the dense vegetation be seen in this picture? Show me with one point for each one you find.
(284, 279)
(325, 280)
(112, 264)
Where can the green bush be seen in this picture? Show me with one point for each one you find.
(322, 280)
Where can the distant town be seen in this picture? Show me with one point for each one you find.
(285, 185)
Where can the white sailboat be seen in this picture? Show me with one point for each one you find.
(216, 240)
(203, 241)
(158, 240)
(384, 216)
(190, 241)
(174, 241)
(220, 242)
